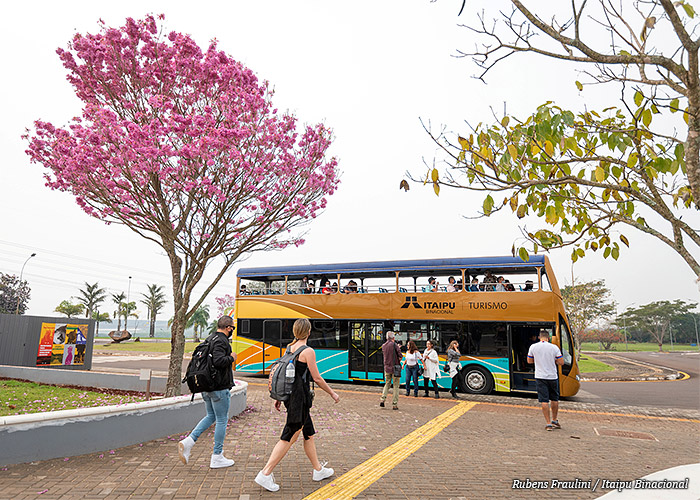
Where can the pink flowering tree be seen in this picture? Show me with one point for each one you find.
(184, 147)
(225, 304)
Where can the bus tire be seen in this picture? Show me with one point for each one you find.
(476, 379)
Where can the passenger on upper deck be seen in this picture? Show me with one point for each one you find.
(489, 278)
(334, 287)
(432, 285)
(474, 287)
(305, 285)
(351, 287)
(458, 286)
(509, 286)
(451, 284)
(500, 285)
(326, 287)
(528, 286)
(244, 290)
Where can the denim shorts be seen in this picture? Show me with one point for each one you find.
(547, 389)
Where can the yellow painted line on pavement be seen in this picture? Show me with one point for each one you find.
(355, 481)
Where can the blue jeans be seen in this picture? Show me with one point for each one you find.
(412, 374)
(217, 403)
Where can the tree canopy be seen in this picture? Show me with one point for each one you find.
(590, 174)
(585, 304)
(655, 318)
(14, 294)
(185, 147)
(69, 309)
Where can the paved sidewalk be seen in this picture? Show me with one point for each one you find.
(477, 456)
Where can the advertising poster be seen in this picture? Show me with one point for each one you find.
(62, 344)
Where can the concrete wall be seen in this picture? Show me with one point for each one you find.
(85, 378)
(20, 335)
(66, 433)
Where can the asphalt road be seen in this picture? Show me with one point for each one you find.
(660, 394)
(683, 394)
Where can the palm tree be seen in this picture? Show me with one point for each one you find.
(100, 317)
(118, 298)
(128, 310)
(91, 297)
(199, 320)
(154, 300)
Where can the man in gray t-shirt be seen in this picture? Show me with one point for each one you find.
(546, 357)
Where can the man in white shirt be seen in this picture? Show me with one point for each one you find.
(546, 357)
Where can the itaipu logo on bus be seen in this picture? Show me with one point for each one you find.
(429, 306)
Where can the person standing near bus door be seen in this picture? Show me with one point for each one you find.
(298, 416)
(453, 355)
(546, 357)
(431, 364)
(391, 351)
(412, 368)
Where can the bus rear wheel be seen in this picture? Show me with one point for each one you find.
(476, 380)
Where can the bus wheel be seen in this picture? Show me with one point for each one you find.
(476, 380)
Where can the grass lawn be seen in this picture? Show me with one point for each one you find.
(28, 397)
(587, 364)
(163, 347)
(642, 346)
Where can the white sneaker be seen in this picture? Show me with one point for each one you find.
(184, 448)
(323, 473)
(220, 461)
(267, 482)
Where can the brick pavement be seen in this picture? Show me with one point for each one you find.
(476, 457)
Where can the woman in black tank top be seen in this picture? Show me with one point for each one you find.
(298, 411)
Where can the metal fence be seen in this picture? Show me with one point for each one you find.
(64, 343)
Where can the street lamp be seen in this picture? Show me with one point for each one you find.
(126, 308)
(624, 322)
(20, 280)
(696, 331)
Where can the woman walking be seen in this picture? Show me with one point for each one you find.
(431, 364)
(412, 368)
(298, 406)
(453, 355)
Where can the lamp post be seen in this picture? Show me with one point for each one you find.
(126, 307)
(624, 322)
(696, 331)
(20, 280)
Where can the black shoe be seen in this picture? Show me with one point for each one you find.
(426, 395)
(381, 403)
(437, 396)
(454, 394)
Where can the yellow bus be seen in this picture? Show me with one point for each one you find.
(494, 307)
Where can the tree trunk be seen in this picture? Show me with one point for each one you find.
(152, 329)
(177, 350)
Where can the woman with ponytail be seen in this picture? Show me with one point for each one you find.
(298, 415)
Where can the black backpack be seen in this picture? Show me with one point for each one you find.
(202, 375)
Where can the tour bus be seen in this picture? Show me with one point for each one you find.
(494, 307)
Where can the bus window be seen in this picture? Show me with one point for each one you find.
(449, 331)
(251, 329)
(416, 331)
(545, 283)
(324, 334)
(488, 339)
(567, 348)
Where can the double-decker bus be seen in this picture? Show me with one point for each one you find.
(494, 307)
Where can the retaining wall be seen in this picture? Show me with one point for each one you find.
(66, 433)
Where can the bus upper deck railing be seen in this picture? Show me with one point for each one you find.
(375, 289)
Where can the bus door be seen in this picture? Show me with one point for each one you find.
(272, 340)
(366, 360)
(522, 336)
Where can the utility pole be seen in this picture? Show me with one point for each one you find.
(126, 307)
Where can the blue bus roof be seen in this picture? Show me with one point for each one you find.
(423, 265)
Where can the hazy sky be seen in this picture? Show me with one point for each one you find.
(371, 70)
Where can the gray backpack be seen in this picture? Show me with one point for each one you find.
(278, 383)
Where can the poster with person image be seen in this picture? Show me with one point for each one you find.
(62, 344)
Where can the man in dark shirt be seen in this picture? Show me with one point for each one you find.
(392, 356)
(217, 401)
